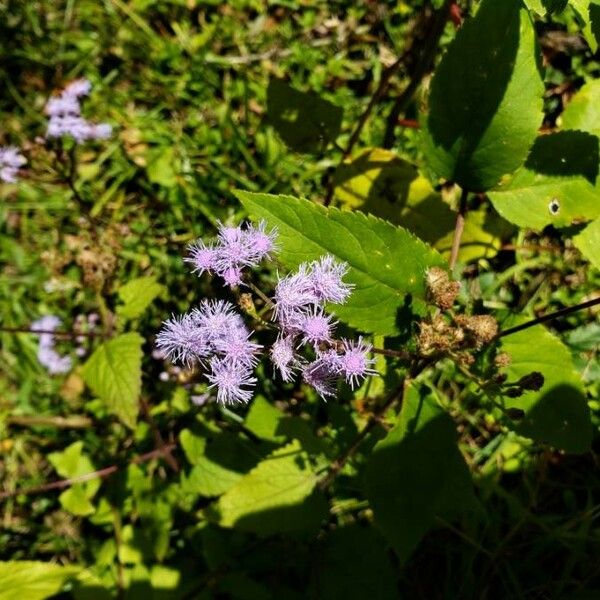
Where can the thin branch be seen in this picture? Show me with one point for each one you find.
(393, 353)
(422, 68)
(551, 316)
(158, 439)
(64, 334)
(100, 474)
(72, 422)
(458, 228)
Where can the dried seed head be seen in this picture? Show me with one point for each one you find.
(441, 291)
(482, 328)
(502, 360)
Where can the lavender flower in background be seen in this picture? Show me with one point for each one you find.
(11, 160)
(64, 111)
(354, 362)
(234, 249)
(48, 357)
(283, 356)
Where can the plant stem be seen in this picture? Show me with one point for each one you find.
(458, 228)
(72, 422)
(424, 65)
(64, 334)
(551, 316)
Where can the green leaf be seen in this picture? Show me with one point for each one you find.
(114, 374)
(381, 183)
(219, 461)
(588, 242)
(305, 122)
(72, 463)
(556, 186)
(263, 420)
(387, 263)
(416, 473)
(160, 167)
(276, 496)
(558, 414)
(583, 111)
(485, 105)
(137, 295)
(352, 564)
(30, 580)
(589, 13)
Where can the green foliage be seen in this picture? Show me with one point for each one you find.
(485, 104)
(416, 475)
(307, 231)
(137, 295)
(114, 373)
(558, 414)
(33, 580)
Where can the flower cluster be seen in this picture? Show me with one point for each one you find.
(47, 355)
(11, 160)
(215, 335)
(300, 313)
(64, 111)
(234, 249)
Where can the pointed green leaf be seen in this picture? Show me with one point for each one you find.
(137, 295)
(558, 414)
(25, 579)
(485, 105)
(416, 473)
(276, 496)
(583, 111)
(114, 374)
(588, 242)
(558, 185)
(386, 263)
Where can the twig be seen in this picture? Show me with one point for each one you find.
(424, 65)
(550, 317)
(158, 439)
(72, 422)
(64, 334)
(100, 474)
(458, 228)
(392, 353)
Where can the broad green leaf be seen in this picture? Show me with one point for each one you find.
(416, 473)
(352, 563)
(137, 295)
(558, 414)
(219, 461)
(72, 463)
(305, 122)
(276, 496)
(558, 185)
(31, 580)
(588, 242)
(387, 263)
(160, 167)
(263, 420)
(381, 183)
(583, 111)
(541, 7)
(485, 104)
(589, 13)
(114, 374)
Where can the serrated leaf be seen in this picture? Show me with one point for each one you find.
(485, 105)
(558, 414)
(219, 461)
(387, 263)
(114, 374)
(276, 496)
(583, 111)
(137, 295)
(558, 185)
(305, 122)
(381, 183)
(31, 580)
(263, 420)
(588, 242)
(416, 473)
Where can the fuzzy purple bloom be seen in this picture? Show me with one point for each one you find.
(354, 361)
(316, 326)
(78, 88)
(217, 318)
(283, 357)
(48, 357)
(11, 160)
(322, 374)
(293, 297)
(326, 278)
(236, 347)
(182, 340)
(233, 381)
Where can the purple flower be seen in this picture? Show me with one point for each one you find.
(322, 374)
(203, 257)
(217, 318)
(283, 356)
(78, 88)
(182, 340)
(354, 362)
(316, 326)
(47, 355)
(11, 160)
(293, 296)
(233, 381)
(236, 347)
(261, 241)
(61, 106)
(326, 278)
